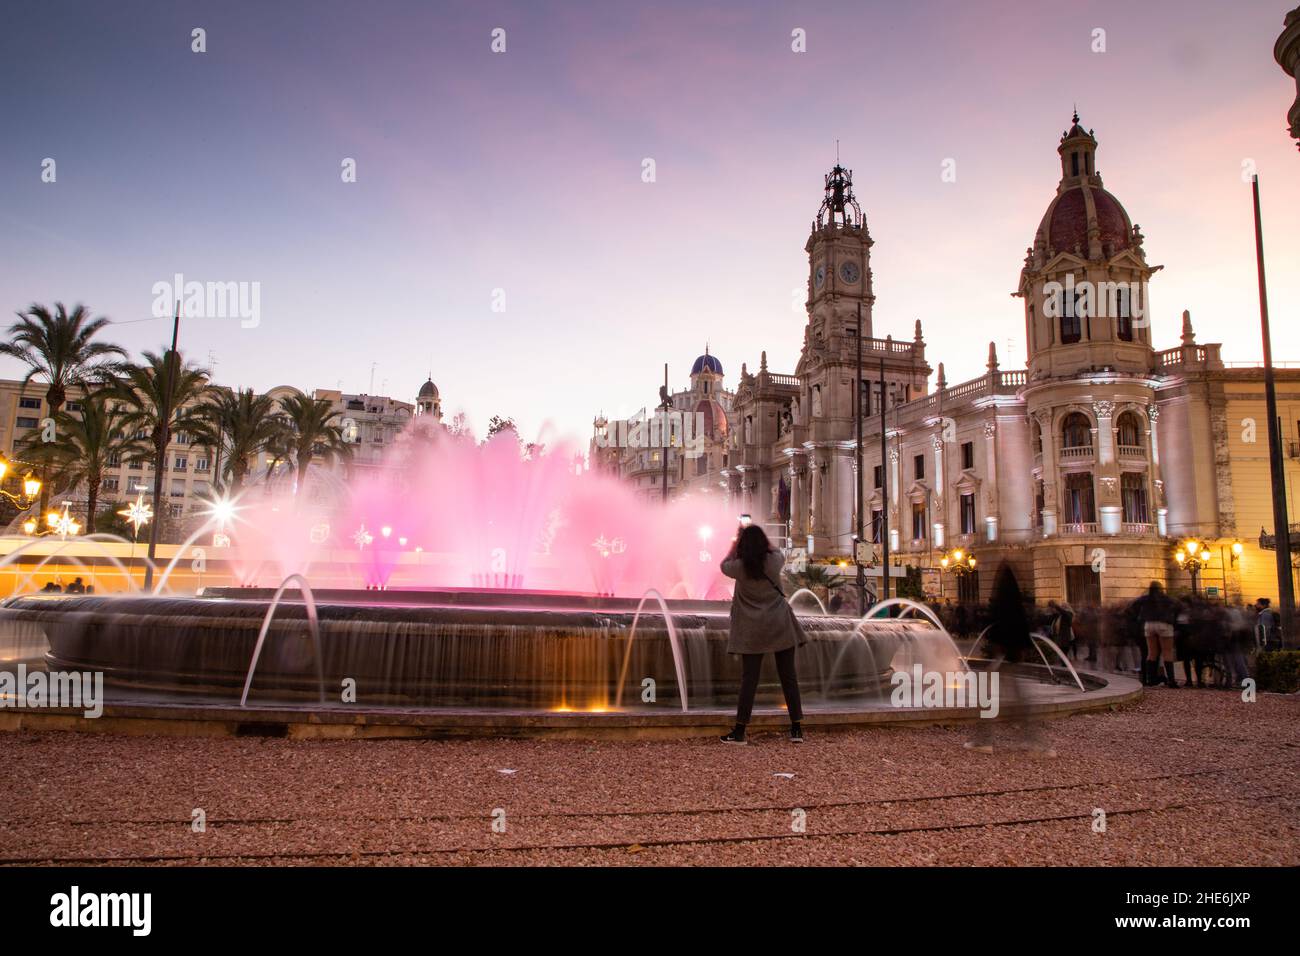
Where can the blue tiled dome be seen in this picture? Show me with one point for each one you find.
(706, 363)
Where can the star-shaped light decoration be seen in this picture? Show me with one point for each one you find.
(137, 513)
(362, 537)
(64, 524)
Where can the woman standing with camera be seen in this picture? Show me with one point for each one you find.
(762, 622)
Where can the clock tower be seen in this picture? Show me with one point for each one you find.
(839, 265)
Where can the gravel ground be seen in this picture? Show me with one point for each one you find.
(1184, 778)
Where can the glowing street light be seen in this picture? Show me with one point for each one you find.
(363, 537)
(1192, 557)
(31, 486)
(138, 513)
(64, 524)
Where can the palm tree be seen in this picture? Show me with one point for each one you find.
(816, 576)
(160, 397)
(313, 429)
(239, 426)
(85, 446)
(58, 347)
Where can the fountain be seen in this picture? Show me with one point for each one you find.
(463, 578)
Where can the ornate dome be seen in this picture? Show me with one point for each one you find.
(715, 418)
(428, 390)
(1082, 202)
(706, 363)
(1065, 224)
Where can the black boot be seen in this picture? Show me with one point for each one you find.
(1169, 675)
(1148, 673)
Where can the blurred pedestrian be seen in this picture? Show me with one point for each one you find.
(1157, 612)
(1061, 626)
(1268, 628)
(1008, 642)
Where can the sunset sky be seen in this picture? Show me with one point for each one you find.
(521, 172)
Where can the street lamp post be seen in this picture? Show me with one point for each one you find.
(31, 487)
(956, 562)
(1192, 557)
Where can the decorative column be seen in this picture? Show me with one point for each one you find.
(892, 505)
(799, 504)
(939, 506)
(1156, 486)
(1109, 514)
(1048, 434)
(991, 455)
(1105, 412)
(821, 501)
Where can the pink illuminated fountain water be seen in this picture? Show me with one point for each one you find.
(452, 513)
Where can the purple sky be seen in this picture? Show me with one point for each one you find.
(522, 171)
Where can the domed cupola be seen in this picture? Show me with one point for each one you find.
(428, 402)
(706, 375)
(1083, 219)
(1084, 279)
(706, 363)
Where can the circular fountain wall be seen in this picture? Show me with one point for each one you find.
(452, 649)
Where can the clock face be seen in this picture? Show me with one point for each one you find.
(849, 272)
(820, 276)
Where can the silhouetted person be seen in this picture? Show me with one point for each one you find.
(51, 587)
(762, 622)
(1267, 626)
(76, 587)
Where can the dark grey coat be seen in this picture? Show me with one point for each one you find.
(761, 618)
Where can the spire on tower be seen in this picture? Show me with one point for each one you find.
(917, 334)
(1189, 337)
(839, 207)
(993, 357)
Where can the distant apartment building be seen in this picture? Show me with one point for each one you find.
(370, 424)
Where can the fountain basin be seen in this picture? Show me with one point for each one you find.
(529, 651)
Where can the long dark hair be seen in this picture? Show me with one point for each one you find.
(752, 547)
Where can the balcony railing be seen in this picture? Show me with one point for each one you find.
(1079, 527)
(1077, 451)
(1137, 528)
(990, 383)
(1132, 451)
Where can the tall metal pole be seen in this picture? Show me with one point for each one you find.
(160, 465)
(884, 493)
(1281, 525)
(858, 541)
(664, 405)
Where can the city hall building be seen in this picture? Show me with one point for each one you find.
(1086, 470)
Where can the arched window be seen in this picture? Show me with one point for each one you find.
(1123, 315)
(1070, 309)
(1076, 431)
(1129, 431)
